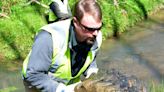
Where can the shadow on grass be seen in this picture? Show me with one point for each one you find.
(114, 18)
(115, 27)
(142, 8)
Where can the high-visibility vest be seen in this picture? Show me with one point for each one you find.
(61, 55)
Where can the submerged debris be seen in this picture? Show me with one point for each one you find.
(114, 81)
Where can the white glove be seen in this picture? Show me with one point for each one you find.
(91, 71)
(63, 88)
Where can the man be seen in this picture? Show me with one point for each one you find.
(65, 50)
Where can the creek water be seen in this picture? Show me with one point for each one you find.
(139, 52)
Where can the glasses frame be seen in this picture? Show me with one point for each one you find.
(89, 29)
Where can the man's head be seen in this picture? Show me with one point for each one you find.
(87, 21)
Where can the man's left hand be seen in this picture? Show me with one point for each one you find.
(72, 86)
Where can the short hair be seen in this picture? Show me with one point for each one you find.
(87, 6)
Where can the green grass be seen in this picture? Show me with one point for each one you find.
(17, 33)
(156, 87)
(9, 89)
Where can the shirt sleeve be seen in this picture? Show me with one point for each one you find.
(39, 63)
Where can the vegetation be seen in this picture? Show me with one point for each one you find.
(9, 89)
(156, 87)
(17, 31)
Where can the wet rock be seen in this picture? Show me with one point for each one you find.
(114, 81)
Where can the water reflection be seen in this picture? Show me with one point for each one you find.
(10, 78)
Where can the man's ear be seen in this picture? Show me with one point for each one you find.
(75, 21)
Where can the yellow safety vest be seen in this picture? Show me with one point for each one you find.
(63, 54)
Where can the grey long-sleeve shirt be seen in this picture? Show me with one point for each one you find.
(40, 61)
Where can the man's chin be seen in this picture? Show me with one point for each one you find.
(90, 42)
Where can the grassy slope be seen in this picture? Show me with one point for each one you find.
(17, 33)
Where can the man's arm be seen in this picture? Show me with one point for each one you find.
(39, 63)
(91, 69)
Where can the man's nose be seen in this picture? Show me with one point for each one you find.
(95, 32)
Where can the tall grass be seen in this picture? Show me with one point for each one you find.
(154, 87)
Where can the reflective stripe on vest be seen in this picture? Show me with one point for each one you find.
(25, 63)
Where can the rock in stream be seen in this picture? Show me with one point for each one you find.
(114, 81)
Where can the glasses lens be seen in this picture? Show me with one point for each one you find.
(91, 29)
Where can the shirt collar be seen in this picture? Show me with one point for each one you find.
(72, 41)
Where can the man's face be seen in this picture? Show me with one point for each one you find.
(87, 29)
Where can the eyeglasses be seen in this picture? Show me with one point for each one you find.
(90, 29)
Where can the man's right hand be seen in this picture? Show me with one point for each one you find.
(63, 88)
